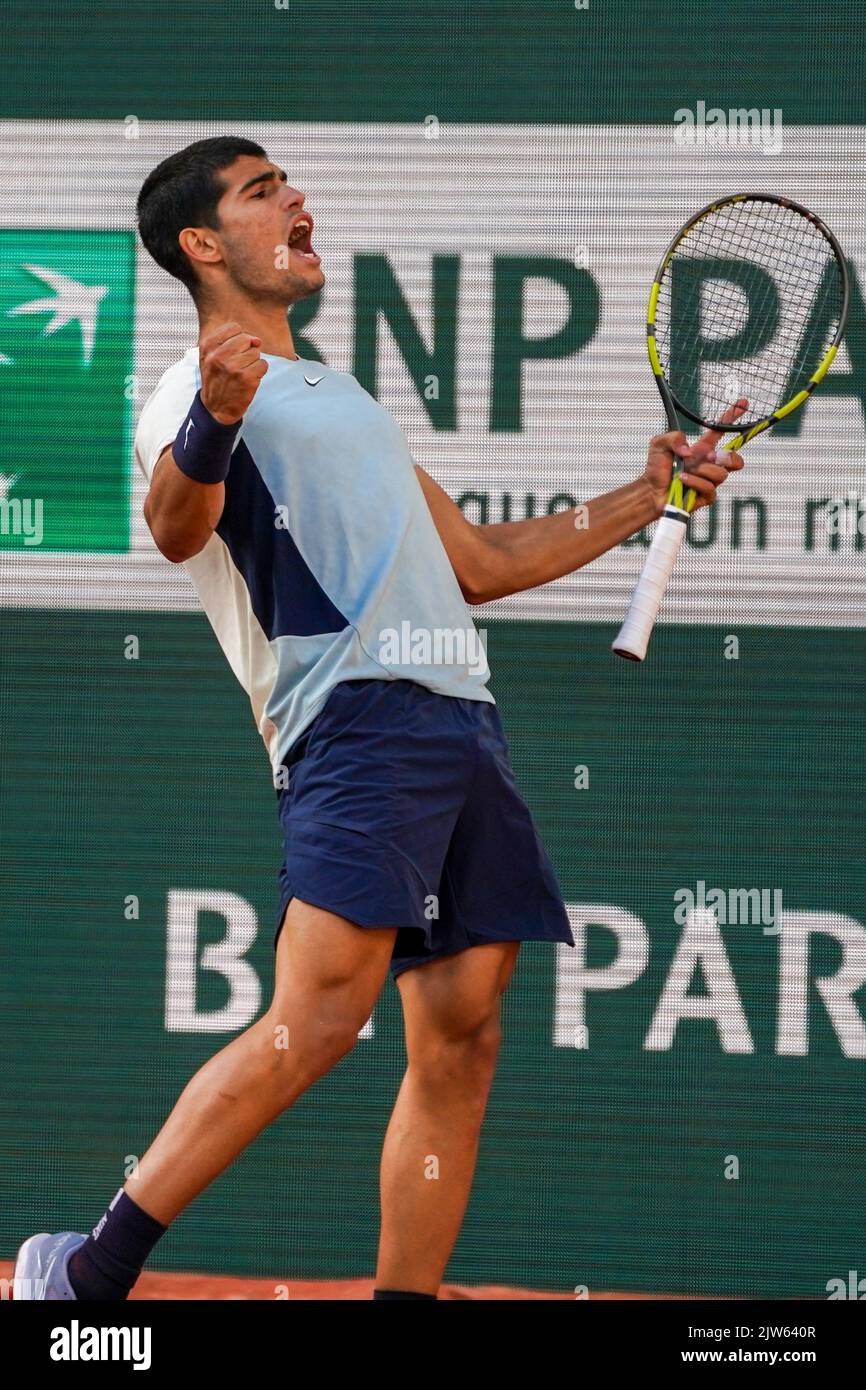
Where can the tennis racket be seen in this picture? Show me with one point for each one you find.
(749, 302)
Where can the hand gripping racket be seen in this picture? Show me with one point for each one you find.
(750, 301)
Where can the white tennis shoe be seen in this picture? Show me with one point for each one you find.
(40, 1266)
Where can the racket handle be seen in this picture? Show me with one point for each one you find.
(633, 637)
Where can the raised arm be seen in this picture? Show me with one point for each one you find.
(505, 557)
(187, 491)
(181, 513)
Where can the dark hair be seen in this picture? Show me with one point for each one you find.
(183, 192)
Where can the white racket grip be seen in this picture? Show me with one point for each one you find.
(633, 637)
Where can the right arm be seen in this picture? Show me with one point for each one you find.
(182, 513)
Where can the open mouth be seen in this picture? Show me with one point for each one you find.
(300, 237)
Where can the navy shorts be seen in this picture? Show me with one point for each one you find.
(402, 810)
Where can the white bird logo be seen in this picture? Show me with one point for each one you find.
(72, 300)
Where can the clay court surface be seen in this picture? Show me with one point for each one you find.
(164, 1287)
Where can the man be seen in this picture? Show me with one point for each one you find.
(313, 538)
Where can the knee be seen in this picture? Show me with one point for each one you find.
(479, 1059)
(331, 1041)
(466, 1058)
(322, 1017)
(308, 1048)
(483, 1044)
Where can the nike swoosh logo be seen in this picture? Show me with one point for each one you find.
(190, 426)
(313, 380)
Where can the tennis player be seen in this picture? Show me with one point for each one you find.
(337, 576)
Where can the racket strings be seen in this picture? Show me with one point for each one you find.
(749, 304)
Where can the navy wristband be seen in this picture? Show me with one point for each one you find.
(203, 447)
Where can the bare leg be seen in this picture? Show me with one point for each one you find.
(328, 975)
(451, 1012)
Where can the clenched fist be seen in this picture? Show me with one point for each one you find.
(231, 369)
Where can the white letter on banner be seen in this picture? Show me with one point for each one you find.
(574, 977)
(700, 944)
(836, 991)
(225, 957)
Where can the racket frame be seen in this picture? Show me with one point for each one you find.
(633, 638)
(675, 407)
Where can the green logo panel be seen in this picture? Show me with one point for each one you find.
(66, 350)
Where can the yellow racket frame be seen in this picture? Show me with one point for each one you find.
(675, 494)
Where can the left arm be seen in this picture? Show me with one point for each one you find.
(504, 557)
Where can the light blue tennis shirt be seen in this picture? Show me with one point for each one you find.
(326, 565)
